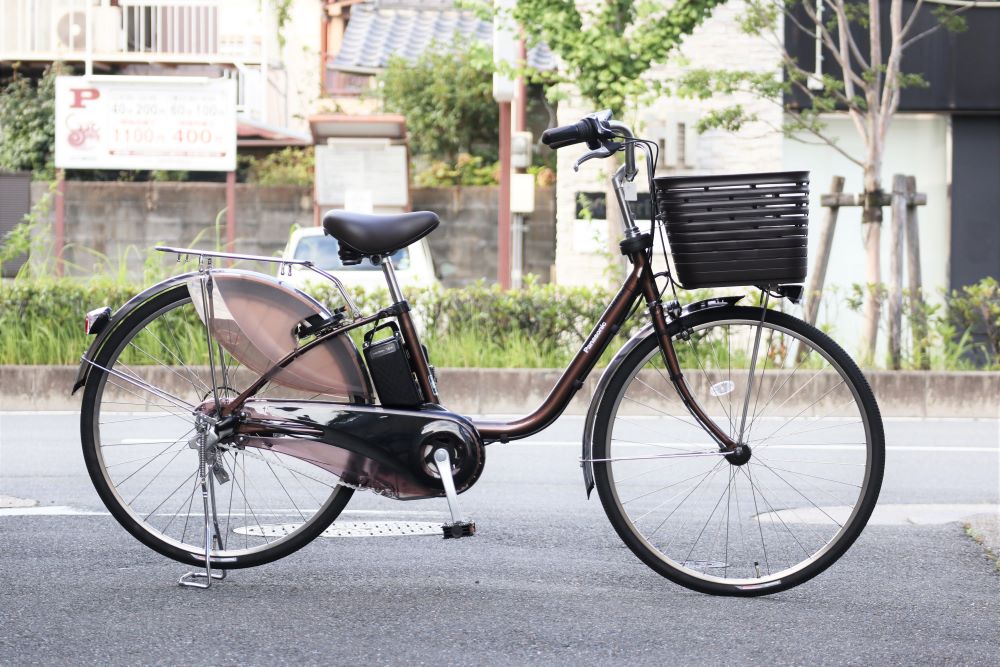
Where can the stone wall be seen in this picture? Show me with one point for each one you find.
(465, 245)
(121, 222)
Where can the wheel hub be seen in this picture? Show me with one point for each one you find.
(740, 455)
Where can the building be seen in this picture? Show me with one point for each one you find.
(946, 135)
(211, 38)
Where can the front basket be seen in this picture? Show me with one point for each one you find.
(739, 229)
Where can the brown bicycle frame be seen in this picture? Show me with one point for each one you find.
(640, 282)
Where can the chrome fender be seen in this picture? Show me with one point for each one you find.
(595, 402)
(612, 369)
(265, 301)
(116, 319)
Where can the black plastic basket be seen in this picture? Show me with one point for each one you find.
(738, 229)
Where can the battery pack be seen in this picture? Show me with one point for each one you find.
(389, 366)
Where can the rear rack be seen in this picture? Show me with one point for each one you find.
(205, 258)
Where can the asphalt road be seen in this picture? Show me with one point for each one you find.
(546, 580)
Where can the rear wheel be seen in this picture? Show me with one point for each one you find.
(138, 429)
(796, 496)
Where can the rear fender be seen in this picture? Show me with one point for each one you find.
(615, 365)
(116, 319)
(340, 359)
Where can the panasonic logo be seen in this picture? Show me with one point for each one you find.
(590, 343)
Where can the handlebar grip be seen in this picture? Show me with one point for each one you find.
(567, 135)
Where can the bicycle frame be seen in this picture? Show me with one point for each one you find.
(640, 283)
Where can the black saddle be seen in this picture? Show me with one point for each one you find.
(379, 234)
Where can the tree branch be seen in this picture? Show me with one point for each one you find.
(912, 17)
(828, 41)
(826, 140)
(843, 27)
(908, 43)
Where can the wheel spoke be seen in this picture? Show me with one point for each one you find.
(753, 524)
(143, 415)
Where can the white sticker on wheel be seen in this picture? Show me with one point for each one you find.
(722, 388)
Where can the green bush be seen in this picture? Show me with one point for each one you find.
(27, 119)
(289, 166)
(541, 326)
(467, 170)
(447, 97)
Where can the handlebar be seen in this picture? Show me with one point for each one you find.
(567, 135)
(605, 137)
(592, 129)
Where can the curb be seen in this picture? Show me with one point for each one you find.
(517, 391)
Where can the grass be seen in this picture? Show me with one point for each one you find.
(978, 539)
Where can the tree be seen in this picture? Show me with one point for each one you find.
(27, 123)
(865, 81)
(606, 47)
(447, 98)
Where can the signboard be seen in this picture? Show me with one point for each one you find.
(124, 122)
(505, 46)
(362, 174)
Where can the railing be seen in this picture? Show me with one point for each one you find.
(136, 31)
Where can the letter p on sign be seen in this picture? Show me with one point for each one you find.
(81, 95)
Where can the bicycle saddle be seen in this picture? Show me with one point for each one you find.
(379, 234)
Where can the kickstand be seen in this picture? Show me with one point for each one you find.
(197, 579)
(458, 527)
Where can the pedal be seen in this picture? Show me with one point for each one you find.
(458, 526)
(459, 529)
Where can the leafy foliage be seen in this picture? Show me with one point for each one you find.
(447, 98)
(964, 331)
(608, 46)
(540, 326)
(867, 86)
(27, 123)
(467, 170)
(289, 166)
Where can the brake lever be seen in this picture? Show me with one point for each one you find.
(607, 149)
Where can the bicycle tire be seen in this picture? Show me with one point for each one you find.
(702, 573)
(92, 427)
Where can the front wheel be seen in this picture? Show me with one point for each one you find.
(803, 485)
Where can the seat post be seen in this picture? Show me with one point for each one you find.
(410, 338)
(390, 279)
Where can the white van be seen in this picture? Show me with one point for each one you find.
(413, 264)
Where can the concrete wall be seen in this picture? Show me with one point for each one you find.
(123, 221)
(465, 245)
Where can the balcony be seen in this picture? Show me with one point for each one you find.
(219, 32)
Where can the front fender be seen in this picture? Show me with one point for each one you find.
(595, 402)
(612, 369)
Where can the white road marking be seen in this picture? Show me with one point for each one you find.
(64, 510)
(889, 448)
(50, 510)
(884, 515)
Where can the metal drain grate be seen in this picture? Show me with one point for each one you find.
(350, 529)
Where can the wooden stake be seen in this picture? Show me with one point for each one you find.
(818, 275)
(918, 317)
(899, 206)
